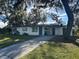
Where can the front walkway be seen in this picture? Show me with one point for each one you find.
(18, 50)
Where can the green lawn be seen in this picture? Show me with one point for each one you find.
(54, 51)
(6, 40)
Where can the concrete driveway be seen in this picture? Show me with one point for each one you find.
(18, 50)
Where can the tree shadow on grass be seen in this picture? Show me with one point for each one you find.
(7, 40)
(61, 39)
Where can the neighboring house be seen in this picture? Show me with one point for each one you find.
(41, 30)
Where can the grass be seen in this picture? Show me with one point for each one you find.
(7, 40)
(53, 50)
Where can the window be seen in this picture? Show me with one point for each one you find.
(34, 29)
(24, 28)
(47, 28)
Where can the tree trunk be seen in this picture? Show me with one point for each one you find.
(70, 18)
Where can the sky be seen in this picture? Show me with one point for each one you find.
(61, 13)
(2, 24)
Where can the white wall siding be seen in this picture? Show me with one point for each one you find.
(43, 30)
(33, 33)
(71, 34)
(19, 29)
(59, 31)
(28, 31)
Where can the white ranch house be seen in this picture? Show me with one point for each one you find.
(42, 30)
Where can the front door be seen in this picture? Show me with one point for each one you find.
(47, 31)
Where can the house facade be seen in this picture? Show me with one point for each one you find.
(41, 30)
